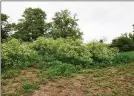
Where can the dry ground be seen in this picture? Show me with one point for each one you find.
(111, 81)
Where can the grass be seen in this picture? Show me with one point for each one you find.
(30, 87)
(67, 79)
(10, 73)
(62, 70)
(110, 81)
(124, 57)
(24, 82)
(118, 81)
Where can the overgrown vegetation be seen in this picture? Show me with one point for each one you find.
(29, 88)
(17, 55)
(115, 81)
(56, 48)
(6, 27)
(59, 54)
(55, 59)
(60, 70)
(46, 50)
(124, 43)
(124, 57)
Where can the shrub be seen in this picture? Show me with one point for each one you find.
(54, 63)
(44, 45)
(74, 52)
(46, 52)
(60, 70)
(124, 57)
(125, 42)
(101, 53)
(15, 54)
(65, 50)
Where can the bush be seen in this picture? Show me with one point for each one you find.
(124, 57)
(15, 54)
(54, 63)
(101, 53)
(47, 52)
(44, 46)
(65, 50)
(61, 70)
(125, 42)
(74, 52)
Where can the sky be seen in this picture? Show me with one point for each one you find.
(97, 20)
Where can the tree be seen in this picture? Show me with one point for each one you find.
(32, 25)
(125, 42)
(5, 27)
(103, 40)
(64, 26)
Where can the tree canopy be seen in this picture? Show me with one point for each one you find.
(5, 27)
(64, 25)
(32, 25)
(125, 42)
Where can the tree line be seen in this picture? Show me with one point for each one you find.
(33, 25)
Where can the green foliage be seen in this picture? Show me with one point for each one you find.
(65, 50)
(61, 55)
(124, 42)
(60, 70)
(4, 31)
(54, 63)
(32, 26)
(44, 45)
(30, 87)
(15, 54)
(124, 57)
(10, 73)
(101, 53)
(5, 27)
(54, 55)
(74, 52)
(63, 26)
(45, 52)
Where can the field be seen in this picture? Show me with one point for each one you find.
(110, 81)
(42, 57)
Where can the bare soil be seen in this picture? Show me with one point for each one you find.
(62, 87)
(112, 81)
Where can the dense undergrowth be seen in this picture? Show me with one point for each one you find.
(60, 57)
(26, 65)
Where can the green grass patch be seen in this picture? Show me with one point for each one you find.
(124, 57)
(30, 87)
(10, 73)
(60, 70)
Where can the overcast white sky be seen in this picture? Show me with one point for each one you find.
(96, 19)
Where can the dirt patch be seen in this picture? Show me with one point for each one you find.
(30, 74)
(63, 87)
(108, 81)
(14, 85)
